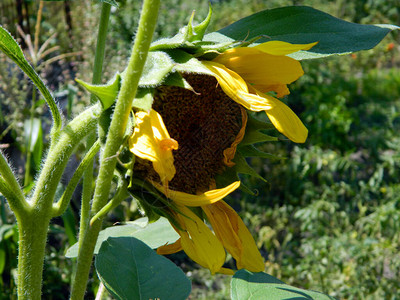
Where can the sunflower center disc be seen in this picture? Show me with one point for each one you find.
(204, 123)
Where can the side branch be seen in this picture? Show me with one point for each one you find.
(11, 189)
(62, 204)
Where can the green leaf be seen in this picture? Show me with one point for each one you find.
(3, 257)
(33, 133)
(11, 48)
(69, 225)
(129, 269)
(158, 66)
(154, 234)
(107, 93)
(248, 285)
(301, 25)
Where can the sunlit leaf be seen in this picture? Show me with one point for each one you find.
(154, 234)
(248, 285)
(130, 269)
(302, 25)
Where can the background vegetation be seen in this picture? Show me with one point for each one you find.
(328, 219)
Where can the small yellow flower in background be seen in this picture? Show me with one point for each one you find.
(208, 121)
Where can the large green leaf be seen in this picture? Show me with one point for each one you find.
(301, 24)
(248, 285)
(131, 270)
(154, 234)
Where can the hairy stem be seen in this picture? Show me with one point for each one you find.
(16, 198)
(33, 224)
(114, 139)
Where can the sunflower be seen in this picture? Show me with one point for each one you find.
(190, 137)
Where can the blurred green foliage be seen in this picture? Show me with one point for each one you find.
(328, 219)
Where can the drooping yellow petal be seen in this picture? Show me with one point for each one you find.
(208, 197)
(170, 248)
(260, 68)
(150, 140)
(282, 48)
(235, 236)
(198, 242)
(229, 153)
(282, 117)
(235, 87)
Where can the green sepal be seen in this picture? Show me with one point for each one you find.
(144, 99)
(187, 37)
(253, 134)
(251, 151)
(158, 66)
(243, 167)
(199, 30)
(170, 43)
(229, 176)
(176, 79)
(107, 93)
(186, 63)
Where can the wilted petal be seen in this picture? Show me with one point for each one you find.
(150, 140)
(170, 248)
(235, 236)
(198, 242)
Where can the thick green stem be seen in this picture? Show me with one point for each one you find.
(87, 184)
(33, 224)
(114, 139)
(32, 241)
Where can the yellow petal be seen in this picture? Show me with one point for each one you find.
(235, 87)
(281, 90)
(259, 68)
(282, 48)
(229, 153)
(198, 242)
(150, 140)
(286, 121)
(170, 248)
(235, 236)
(209, 197)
